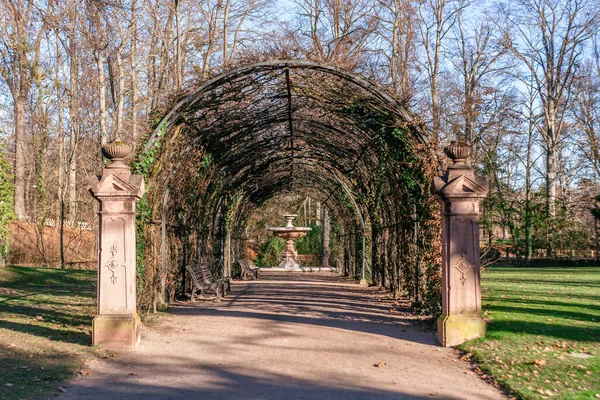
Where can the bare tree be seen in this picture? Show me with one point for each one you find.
(95, 35)
(436, 19)
(74, 112)
(22, 28)
(397, 27)
(335, 31)
(548, 38)
(586, 113)
(476, 56)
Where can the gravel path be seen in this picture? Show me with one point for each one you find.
(286, 336)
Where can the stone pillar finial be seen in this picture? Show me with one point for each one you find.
(116, 152)
(117, 324)
(459, 191)
(460, 153)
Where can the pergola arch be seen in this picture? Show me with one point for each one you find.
(290, 127)
(315, 129)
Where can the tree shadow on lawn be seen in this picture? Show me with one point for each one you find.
(559, 331)
(52, 280)
(74, 317)
(32, 374)
(559, 282)
(551, 307)
(518, 294)
(47, 303)
(577, 316)
(57, 335)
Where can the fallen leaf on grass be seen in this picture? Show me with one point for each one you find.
(581, 367)
(379, 365)
(539, 362)
(39, 318)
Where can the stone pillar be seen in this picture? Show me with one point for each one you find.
(460, 191)
(117, 324)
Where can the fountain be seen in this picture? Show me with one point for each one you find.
(289, 233)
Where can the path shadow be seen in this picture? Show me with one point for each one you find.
(318, 299)
(216, 382)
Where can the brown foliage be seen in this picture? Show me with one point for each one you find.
(34, 245)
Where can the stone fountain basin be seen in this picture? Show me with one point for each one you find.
(289, 233)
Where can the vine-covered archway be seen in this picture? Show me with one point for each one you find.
(280, 127)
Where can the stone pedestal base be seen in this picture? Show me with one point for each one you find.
(116, 331)
(289, 263)
(453, 330)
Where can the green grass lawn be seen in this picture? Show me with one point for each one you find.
(45, 329)
(543, 337)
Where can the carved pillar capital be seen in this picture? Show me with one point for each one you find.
(460, 184)
(117, 324)
(116, 181)
(459, 191)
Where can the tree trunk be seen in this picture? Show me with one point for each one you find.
(528, 216)
(178, 58)
(61, 157)
(374, 256)
(325, 249)
(550, 198)
(101, 99)
(318, 214)
(20, 104)
(72, 177)
(133, 61)
(121, 95)
(74, 118)
(226, 33)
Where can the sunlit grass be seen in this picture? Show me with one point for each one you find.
(45, 328)
(543, 337)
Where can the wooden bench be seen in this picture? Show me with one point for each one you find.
(249, 269)
(208, 276)
(202, 279)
